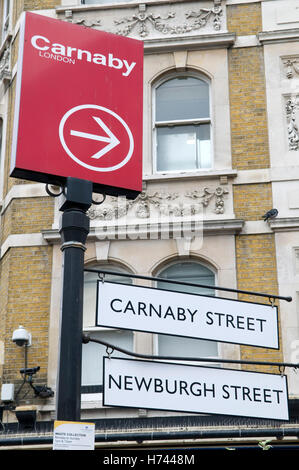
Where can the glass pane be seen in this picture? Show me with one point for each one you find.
(186, 347)
(204, 146)
(92, 354)
(90, 293)
(183, 148)
(196, 274)
(176, 148)
(182, 98)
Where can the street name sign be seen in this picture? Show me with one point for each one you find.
(78, 108)
(189, 315)
(196, 389)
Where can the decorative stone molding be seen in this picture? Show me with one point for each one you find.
(285, 224)
(5, 70)
(81, 21)
(206, 195)
(203, 15)
(143, 19)
(291, 66)
(293, 132)
(164, 203)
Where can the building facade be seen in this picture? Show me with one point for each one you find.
(220, 149)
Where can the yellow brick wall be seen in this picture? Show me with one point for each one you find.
(25, 300)
(4, 282)
(252, 201)
(40, 4)
(18, 7)
(255, 254)
(27, 215)
(244, 19)
(256, 271)
(249, 134)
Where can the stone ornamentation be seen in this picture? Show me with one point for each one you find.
(165, 204)
(81, 21)
(293, 132)
(291, 65)
(5, 72)
(195, 20)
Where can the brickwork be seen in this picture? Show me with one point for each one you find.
(255, 254)
(256, 271)
(244, 19)
(4, 283)
(29, 215)
(40, 4)
(25, 300)
(249, 134)
(252, 201)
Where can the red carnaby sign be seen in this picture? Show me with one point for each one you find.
(78, 109)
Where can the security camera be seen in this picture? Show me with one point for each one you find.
(30, 370)
(21, 337)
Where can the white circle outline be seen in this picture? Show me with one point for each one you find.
(109, 111)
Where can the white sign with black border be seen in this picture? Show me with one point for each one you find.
(73, 435)
(189, 315)
(196, 389)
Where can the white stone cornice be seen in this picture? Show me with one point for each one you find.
(285, 224)
(22, 240)
(210, 227)
(23, 191)
(208, 174)
(115, 6)
(250, 40)
(203, 41)
(279, 36)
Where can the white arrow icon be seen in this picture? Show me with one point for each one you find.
(74, 153)
(111, 139)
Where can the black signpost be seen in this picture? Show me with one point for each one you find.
(74, 230)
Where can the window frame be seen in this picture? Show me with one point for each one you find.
(156, 336)
(180, 122)
(88, 392)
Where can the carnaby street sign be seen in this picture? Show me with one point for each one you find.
(189, 315)
(189, 388)
(78, 109)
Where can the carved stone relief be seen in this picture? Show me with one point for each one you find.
(291, 66)
(164, 203)
(145, 21)
(292, 106)
(148, 19)
(5, 70)
(81, 21)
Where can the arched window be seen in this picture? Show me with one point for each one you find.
(182, 124)
(196, 273)
(92, 353)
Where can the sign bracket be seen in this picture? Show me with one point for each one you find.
(63, 191)
(281, 365)
(271, 297)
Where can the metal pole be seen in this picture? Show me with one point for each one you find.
(74, 230)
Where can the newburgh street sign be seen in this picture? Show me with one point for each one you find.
(190, 388)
